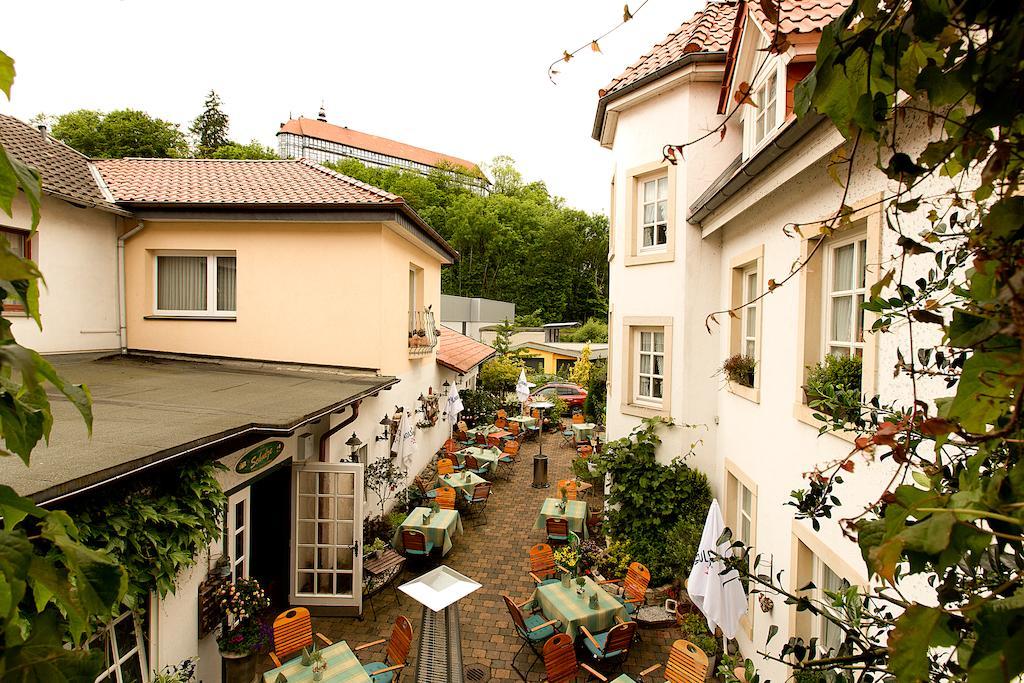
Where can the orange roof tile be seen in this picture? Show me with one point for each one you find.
(799, 16)
(372, 143)
(461, 353)
(707, 31)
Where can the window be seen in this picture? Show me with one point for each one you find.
(654, 213)
(535, 364)
(124, 658)
(196, 284)
(822, 570)
(829, 635)
(766, 117)
(750, 312)
(846, 287)
(650, 366)
(20, 244)
(740, 516)
(238, 534)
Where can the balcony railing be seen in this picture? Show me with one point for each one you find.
(422, 332)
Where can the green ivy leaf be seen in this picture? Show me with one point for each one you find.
(917, 630)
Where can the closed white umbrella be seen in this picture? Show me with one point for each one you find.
(455, 406)
(523, 387)
(718, 596)
(405, 441)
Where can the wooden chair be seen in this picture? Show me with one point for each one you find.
(611, 647)
(501, 422)
(584, 450)
(634, 587)
(560, 664)
(577, 418)
(480, 439)
(452, 458)
(687, 663)
(571, 490)
(542, 564)
(508, 459)
(446, 497)
(421, 485)
(451, 445)
(293, 631)
(396, 655)
(477, 501)
(473, 465)
(502, 413)
(568, 436)
(514, 428)
(533, 629)
(462, 435)
(557, 529)
(445, 466)
(415, 543)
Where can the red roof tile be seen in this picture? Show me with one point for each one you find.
(461, 353)
(372, 143)
(707, 31)
(221, 181)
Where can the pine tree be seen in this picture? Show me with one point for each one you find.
(211, 127)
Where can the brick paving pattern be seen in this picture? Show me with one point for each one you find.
(496, 555)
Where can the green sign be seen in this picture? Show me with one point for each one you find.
(259, 457)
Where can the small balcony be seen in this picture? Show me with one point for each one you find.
(422, 333)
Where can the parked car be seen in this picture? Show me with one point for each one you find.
(573, 394)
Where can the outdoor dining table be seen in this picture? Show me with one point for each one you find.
(624, 679)
(575, 512)
(500, 434)
(524, 420)
(342, 667)
(573, 610)
(583, 430)
(485, 456)
(463, 481)
(482, 429)
(439, 530)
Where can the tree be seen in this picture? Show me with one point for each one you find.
(121, 133)
(503, 337)
(580, 373)
(211, 128)
(594, 330)
(253, 150)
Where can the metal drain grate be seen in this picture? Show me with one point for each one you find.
(440, 651)
(477, 673)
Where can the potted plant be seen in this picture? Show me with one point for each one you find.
(183, 672)
(833, 387)
(695, 629)
(739, 369)
(242, 635)
(374, 549)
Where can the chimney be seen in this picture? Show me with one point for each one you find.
(42, 129)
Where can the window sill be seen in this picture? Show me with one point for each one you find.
(752, 394)
(645, 258)
(638, 410)
(804, 413)
(213, 318)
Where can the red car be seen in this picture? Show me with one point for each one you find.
(573, 394)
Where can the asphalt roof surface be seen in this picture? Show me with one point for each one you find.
(144, 406)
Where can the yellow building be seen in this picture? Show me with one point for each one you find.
(556, 358)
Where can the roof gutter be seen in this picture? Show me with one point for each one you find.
(603, 102)
(734, 179)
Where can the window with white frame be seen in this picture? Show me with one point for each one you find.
(766, 118)
(740, 515)
(18, 242)
(829, 635)
(845, 289)
(750, 312)
(196, 284)
(650, 376)
(653, 220)
(124, 652)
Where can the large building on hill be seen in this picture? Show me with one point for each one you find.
(320, 141)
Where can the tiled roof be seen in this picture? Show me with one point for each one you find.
(372, 143)
(461, 353)
(233, 182)
(707, 31)
(65, 172)
(799, 16)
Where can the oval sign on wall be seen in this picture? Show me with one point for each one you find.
(259, 457)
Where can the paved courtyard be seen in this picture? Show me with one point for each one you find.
(495, 554)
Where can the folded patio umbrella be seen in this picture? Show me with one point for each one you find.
(405, 441)
(454, 407)
(718, 596)
(523, 387)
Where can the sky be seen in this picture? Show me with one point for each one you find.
(463, 77)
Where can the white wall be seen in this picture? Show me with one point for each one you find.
(76, 250)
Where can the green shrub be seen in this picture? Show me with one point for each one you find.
(615, 560)
(395, 519)
(833, 387)
(597, 393)
(594, 330)
(695, 630)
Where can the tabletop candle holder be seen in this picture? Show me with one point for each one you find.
(580, 586)
(593, 601)
(565, 579)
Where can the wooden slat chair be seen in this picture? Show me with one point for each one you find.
(634, 587)
(515, 428)
(533, 629)
(462, 435)
(480, 439)
(543, 568)
(415, 543)
(502, 413)
(557, 529)
(477, 500)
(570, 487)
(584, 450)
(396, 655)
(568, 436)
(508, 459)
(445, 466)
(560, 663)
(422, 486)
(452, 458)
(473, 465)
(687, 663)
(501, 422)
(293, 631)
(612, 647)
(446, 497)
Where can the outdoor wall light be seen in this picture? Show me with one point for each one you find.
(385, 422)
(445, 386)
(354, 443)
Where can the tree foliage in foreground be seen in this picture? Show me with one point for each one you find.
(944, 539)
(518, 244)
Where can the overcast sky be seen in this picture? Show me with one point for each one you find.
(465, 77)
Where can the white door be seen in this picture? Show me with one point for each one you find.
(238, 534)
(327, 511)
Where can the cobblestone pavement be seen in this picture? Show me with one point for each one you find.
(495, 554)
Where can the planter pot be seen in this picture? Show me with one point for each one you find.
(239, 667)
(750, 380)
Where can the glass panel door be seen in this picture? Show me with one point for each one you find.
(327, 511)
(238, 534)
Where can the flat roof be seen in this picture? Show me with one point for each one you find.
(150, 410)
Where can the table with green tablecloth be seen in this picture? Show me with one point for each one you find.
(462, 481)
(440, 530)
(342, 667)
(482, 429)
(573, 611)
(583, 430)
(485, 456)
(575, 511)
(524, 420)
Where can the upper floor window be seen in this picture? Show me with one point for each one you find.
(654, 213)
(196, 284)
(766, 118)
(845, 291)
(18, 241)
(650, 366)
(750, 312)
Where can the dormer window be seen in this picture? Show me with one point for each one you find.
(768, 98)
(765, 120)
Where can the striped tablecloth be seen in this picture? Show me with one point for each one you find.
(574, 611)
(486, 456)
(482, 429)
(442, 527)
(463, 481)
(524, 420)
(342, 667)
(583, 430)
(575, 512)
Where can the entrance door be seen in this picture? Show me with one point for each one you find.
(327, 509)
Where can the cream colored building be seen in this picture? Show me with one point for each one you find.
(705, 235)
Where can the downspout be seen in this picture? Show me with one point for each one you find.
(122, 327)
(326, 436)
